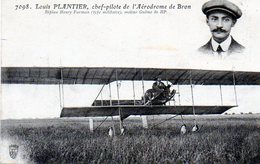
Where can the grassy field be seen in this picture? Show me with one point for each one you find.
(225, 139)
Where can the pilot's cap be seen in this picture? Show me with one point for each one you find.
(222, 5)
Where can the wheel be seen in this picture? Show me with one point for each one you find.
(195, 128)
(183, 129)
(122, 131)
(111, 132)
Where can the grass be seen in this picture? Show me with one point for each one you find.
(226, 139)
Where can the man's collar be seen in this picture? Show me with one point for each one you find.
(224, 45)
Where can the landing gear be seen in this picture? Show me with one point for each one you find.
(183, 129)
(111, 132)
(122, 131)
(195, 128)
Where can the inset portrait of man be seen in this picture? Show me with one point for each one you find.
(221, 17)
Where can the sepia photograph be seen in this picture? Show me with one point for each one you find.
(130, 81)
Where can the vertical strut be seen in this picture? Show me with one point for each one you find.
(167, 83)
(221, 97)
(118, 101)
(192, 97)
(144, 118)
(179, 95)
(133, 90)
(62, 89)
(234, 83)
(110, 95)
(61, 92)
(142, 72)
(117, 86)
(60, 95)
(110, 103)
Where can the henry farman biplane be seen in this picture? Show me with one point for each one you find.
(154, 100)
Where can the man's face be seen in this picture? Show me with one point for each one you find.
(220, 24)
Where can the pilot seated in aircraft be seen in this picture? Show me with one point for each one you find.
(160, 93)
(159, 86)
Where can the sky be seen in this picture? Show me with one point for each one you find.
(32, 38)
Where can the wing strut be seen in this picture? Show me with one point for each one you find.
(143, 84)
(133, 83)
(167, 119)
(110, 94)
(167, 83)
(144, 118)
(179, 95)
(192, 97)
(234, 83)
(61, 90)
(133, 90)
(100, 93)
(117, 89)
(61, 106)
(110, 102)
(221, 97)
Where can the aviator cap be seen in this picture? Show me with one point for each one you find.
(222, 5)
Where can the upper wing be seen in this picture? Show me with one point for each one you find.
(104, 75)
(140, 110)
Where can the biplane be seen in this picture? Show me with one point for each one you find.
(153, 102)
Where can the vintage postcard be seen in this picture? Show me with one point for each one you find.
(133, 81)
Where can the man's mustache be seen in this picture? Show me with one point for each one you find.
(218, 30)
